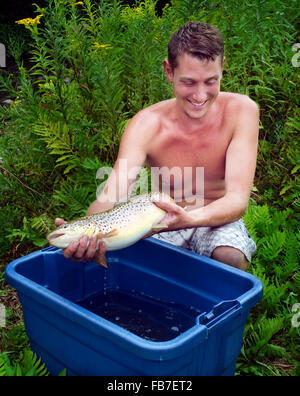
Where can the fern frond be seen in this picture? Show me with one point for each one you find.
(257, 219)
(32, 365)
(42, 223)
(75, 198)
(274, 291)
(273, 244)
(296, 282)
(289, 260)
(258, 336)
(274, 351)
(2, 368)
(29, 366)
(59, 140)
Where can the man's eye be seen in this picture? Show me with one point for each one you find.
(188, 83)
(211, 82)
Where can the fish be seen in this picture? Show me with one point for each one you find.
(119, 227)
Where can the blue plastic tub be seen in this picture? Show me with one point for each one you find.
(66, 335)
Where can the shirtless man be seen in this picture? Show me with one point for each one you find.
(200, 127)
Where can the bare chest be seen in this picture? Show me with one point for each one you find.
(190, 164)
(171, 149)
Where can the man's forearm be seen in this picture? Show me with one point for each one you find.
(98, 206)
(222, 211)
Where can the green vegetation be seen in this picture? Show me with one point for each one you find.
(93, 66)
(30, 366)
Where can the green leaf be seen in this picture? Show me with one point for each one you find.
(285, 189)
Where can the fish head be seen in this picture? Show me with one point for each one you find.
(65, 234)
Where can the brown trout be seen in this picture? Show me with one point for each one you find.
(119, 227)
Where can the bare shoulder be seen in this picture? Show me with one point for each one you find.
(243, 114)
(147, 122)
(239, 102)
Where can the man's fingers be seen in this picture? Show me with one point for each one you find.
(71, 249)
(86, 250)
(91, 249)
(168, 207)
(82, 246)
(58, 221)
(172, 210)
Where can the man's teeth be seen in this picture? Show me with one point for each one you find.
(198, 104)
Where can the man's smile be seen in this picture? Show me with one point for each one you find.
(197, 105)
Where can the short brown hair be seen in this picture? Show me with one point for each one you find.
(199, 39)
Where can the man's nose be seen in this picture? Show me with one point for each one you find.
(199, 95)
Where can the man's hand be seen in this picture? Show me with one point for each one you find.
(84, 250)
(176, 217)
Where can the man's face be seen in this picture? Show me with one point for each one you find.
(196, 83)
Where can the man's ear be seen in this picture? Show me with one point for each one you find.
(223, 62)
(222, 65)
(168, 70)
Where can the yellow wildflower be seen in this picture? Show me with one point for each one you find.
(98, 46)
(73, 3)
(29, 22)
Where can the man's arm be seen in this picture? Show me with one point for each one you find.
(239, 174)
(131, 156)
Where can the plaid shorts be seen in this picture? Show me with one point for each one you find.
(204, 240)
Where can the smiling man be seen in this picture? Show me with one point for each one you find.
(200, 128)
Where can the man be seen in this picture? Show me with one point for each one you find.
(201, 128)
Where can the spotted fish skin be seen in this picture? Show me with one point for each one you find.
(118, 227)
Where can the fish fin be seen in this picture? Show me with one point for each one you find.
(111, 233)
(90, 232)
(158, 227)
(103, 262)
